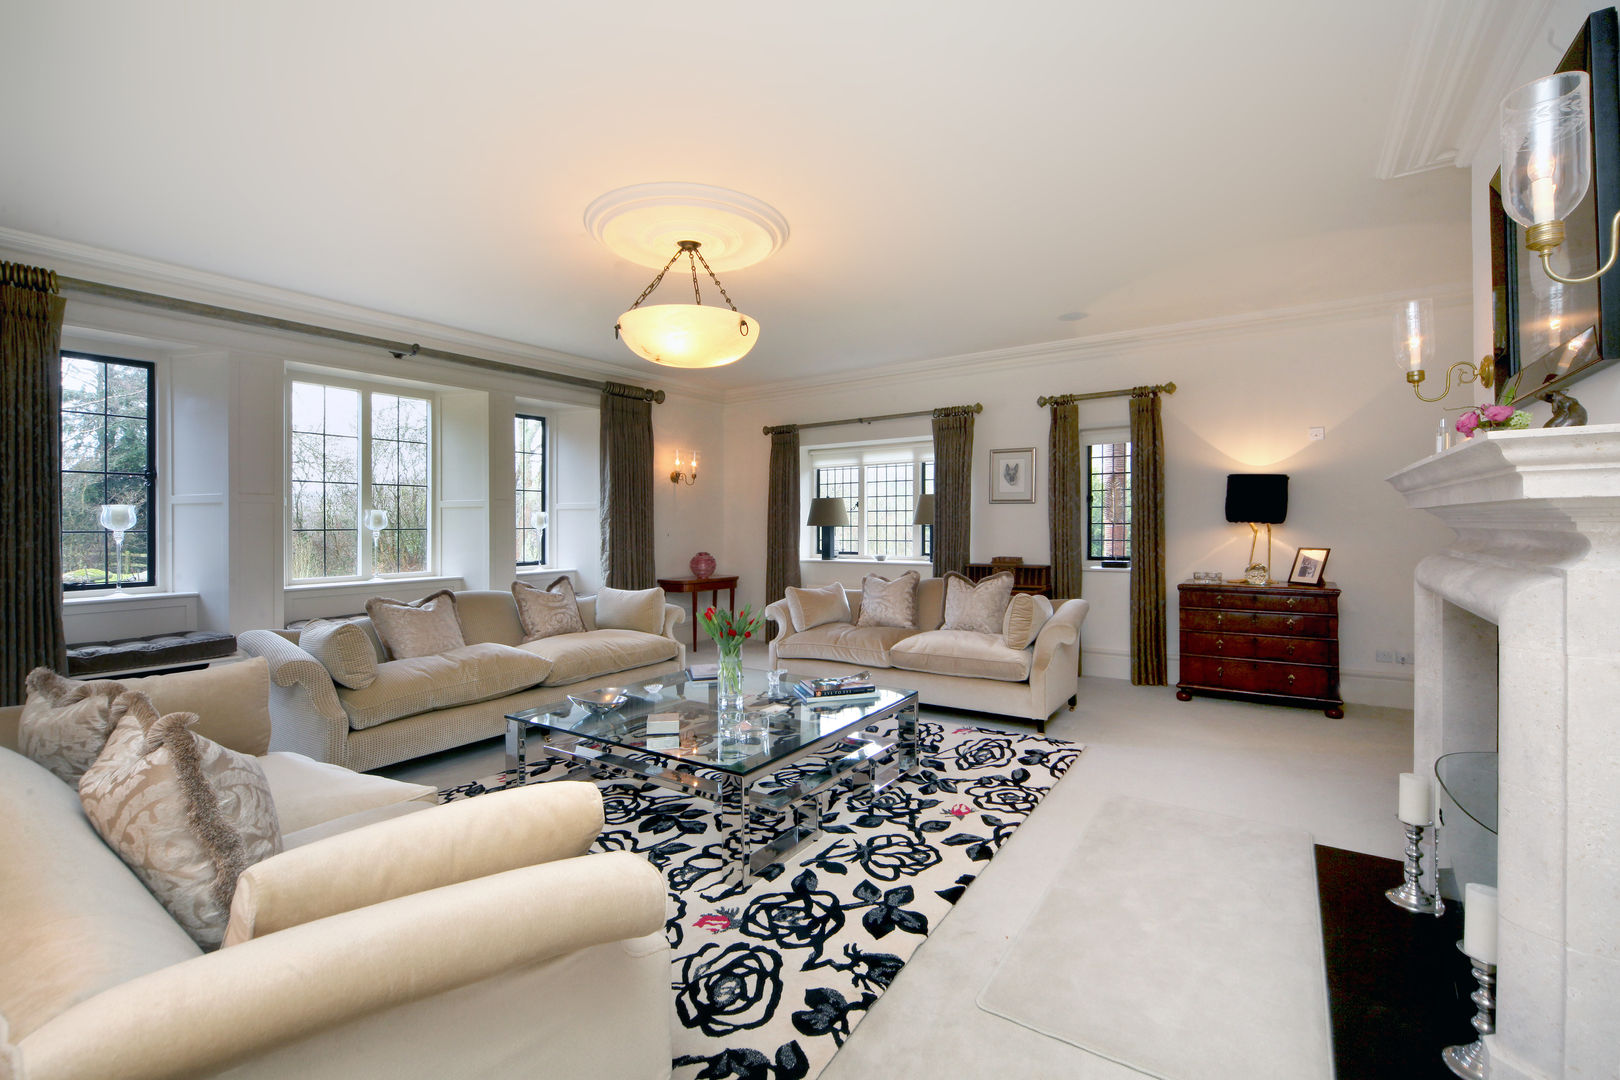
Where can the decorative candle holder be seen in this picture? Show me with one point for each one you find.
(1412, 895)
(1472, 1061)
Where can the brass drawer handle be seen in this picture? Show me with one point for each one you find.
(1220, 671)
(1292, 622)
(1290, 680)
(1292, 601)
(1220, 643)
(1219, 617)
(1290, 652)
(1219, 599)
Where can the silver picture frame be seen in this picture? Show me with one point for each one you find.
(1012, 475)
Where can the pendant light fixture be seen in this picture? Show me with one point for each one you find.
(687, 335)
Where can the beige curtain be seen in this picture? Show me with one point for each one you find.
(627, 487)
(31, 472)
(782, 521)
(953, 488)
(1066, 500)
(1149, 665)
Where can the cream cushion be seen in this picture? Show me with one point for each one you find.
(336, 826)
(343, 649)
(869, 646)
(1026, 614)
(488, 615)
(816, 607)
(186, 814)
(550, 611)
(309, 792)
(978, 607)
(77, 922)
(459, 841)
(65, 723)
(462, 675)
(232, 701)
(600, 652)
(889, 603)
(424, 627)
(962, 652)
(630, 609)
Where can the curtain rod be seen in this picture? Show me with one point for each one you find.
(976, 407)
(1064, 399)
(398, 349)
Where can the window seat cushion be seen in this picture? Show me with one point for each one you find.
(156, 650)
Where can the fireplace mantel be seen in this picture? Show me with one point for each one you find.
(1518, 650)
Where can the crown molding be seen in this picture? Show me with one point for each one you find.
(1461, 56)
(1110, 346)
(149, 275)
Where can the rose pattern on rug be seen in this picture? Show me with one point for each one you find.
(769, 981)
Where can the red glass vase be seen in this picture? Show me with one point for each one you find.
(702, 565)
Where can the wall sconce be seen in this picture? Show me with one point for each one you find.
(677, 475)
(1256, 499)
(1414, 350)
(1547, 163)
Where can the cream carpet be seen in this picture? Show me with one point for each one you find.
(1211, 963)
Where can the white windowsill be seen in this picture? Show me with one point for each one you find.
(371, 585)
(1101, 569)
(862, 560)
(540, 571)
(127, 598)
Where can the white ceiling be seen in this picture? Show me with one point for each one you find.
(957, 177)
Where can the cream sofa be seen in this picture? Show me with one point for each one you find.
(425, 704)
(472, 939)
(946, 667)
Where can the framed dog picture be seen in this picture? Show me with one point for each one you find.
(1309, 566)
(1012, 475)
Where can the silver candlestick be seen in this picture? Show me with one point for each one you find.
(1412, 895)
(1472, 1061)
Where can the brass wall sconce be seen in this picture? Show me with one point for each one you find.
(1547, 164)
(678, 475)
(1414, 349)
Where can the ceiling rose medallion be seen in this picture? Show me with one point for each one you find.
(710, 226)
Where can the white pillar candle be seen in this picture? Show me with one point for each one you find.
(1479, 922)
(1417, 806)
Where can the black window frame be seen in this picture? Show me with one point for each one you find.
(545, 489)
(1097, 520)
(150, 476)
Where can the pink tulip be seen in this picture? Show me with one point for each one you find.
(1468, 421)
(1497, 413)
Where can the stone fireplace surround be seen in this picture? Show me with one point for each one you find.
(1518, 650)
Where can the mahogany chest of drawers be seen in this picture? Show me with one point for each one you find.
(1277, 644)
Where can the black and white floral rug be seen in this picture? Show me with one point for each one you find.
(770, 980)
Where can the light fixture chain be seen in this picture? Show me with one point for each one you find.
(648, 290)
(716, 281)
(690, 252)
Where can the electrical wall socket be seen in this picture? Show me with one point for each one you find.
(1385, 656)
(1318, 434)
(1403, 658)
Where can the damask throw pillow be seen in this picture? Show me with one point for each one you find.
(64, 722)
(889, 603)
(978, 607)
(815, 607)
(1026, 614)
(184, 813)
(425, 627)
(547, 612)
(343, 649)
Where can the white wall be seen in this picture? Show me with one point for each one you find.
(1248, 391)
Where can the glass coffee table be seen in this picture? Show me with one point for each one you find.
(773, 756)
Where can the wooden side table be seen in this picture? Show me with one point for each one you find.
(1277, 644)
(697, 586)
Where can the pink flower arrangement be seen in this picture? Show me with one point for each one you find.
(1499, 417)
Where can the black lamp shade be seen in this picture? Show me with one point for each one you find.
(1261, 498)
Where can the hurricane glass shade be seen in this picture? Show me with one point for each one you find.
(688, 335)
(1546, 148)
(1257, 498)
(117, 517)
(376, 520)
(925, 510)
(538, 520)
(1414, 336)
(825, 512)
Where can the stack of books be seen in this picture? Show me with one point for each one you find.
(834, 694)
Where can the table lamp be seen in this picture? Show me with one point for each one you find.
(827, 515)
(925, 510)
(1257, 499)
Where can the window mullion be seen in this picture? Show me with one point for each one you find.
(366, 562)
